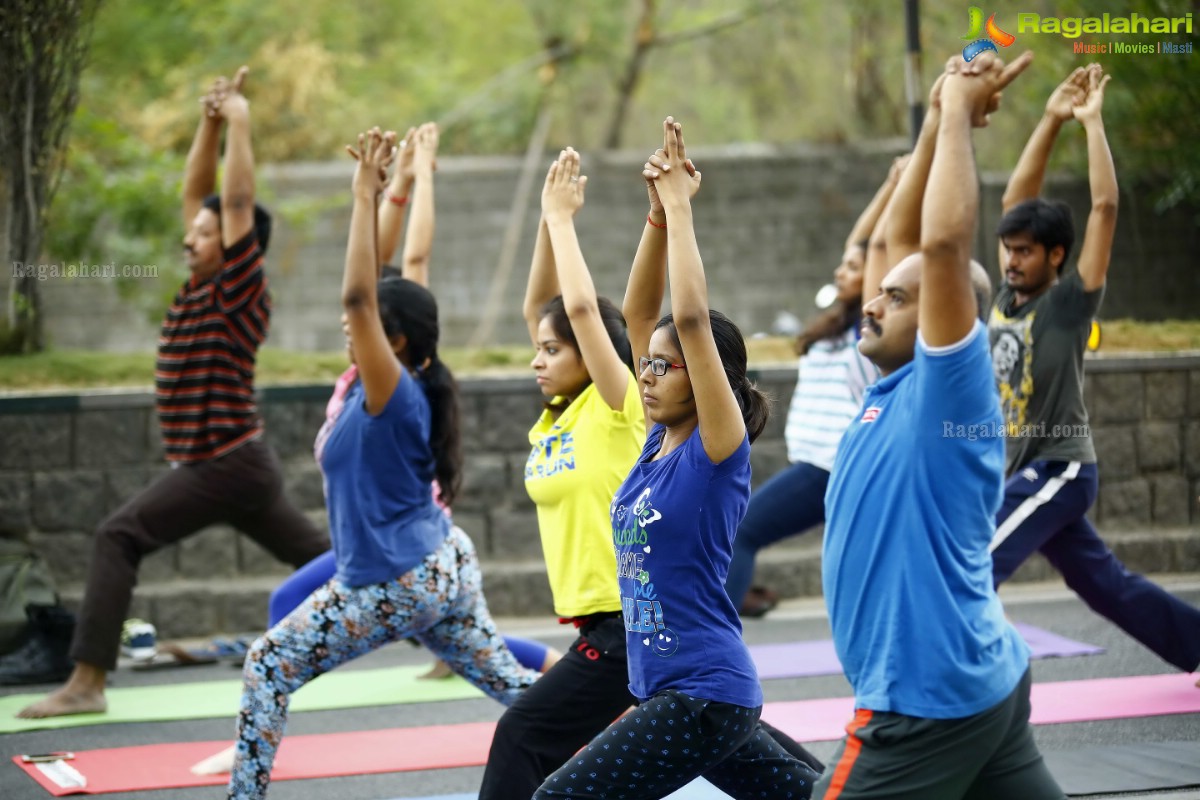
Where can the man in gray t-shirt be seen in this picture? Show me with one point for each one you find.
(1038, 330)
(1037, 357)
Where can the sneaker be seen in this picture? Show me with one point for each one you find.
(138, 640)
(759, 600)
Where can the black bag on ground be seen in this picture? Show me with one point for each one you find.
(43, 655)
(24, 580)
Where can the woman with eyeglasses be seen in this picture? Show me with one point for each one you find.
(673, 522)
(581, 447)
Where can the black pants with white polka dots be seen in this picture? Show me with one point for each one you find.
(671, 739)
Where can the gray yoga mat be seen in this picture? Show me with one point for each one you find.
(1139, 767)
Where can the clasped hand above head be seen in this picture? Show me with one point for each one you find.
(670, 175)
(422, 146)
(979, 83)
(1087, 109)
(224, 98)
(563, 192)
(374, 154)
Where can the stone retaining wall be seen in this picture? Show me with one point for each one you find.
(771, 223)
(66, 461)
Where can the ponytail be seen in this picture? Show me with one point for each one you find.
(445, 433)
(408, 308)
(755, 406)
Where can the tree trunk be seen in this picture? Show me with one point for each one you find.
(24, 333)
(43, 47)
(873, 106)
(643, 40)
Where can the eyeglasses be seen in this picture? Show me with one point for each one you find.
(658, 366)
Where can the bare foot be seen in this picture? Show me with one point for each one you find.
(65, 701)
(437, 672)
(83, 693)
(552, 658)
(217, 764)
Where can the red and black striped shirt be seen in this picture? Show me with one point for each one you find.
(204, 377)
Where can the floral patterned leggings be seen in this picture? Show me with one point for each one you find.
(439, 602)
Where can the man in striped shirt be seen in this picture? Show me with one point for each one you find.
(222, 470)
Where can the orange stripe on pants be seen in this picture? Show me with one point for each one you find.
(849, 754)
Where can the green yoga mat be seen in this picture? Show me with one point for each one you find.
(345, 689)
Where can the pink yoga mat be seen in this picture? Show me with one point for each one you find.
(807, 659)
(1053, 703)
(165, 766)
(329, 755)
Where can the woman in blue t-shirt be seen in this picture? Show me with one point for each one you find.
(673, 523)
(403, 569)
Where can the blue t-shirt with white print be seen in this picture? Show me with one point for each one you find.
(673, 522)
(910, 511)
(382, 517)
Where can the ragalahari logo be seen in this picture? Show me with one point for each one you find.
(979, 42)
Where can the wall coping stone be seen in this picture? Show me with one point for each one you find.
(335, 169)
(58, 400)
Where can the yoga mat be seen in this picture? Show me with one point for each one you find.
(208, 699)
(698, 789)
(396, 685)
(807, 659)
(165, 766)
(1053, 703)
(1140, 767)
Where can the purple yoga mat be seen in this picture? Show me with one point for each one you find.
(806, 659)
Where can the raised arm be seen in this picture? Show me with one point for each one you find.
(869, 218)
(1027, 177)
(237, 185)
(903, 232)
(946, 311)
(390, 216)
(648, 276)
(722, 428)
(378, 367)
(200, 172)
(1096, 251)
(562, 196)
(418, 241)
(1025, 183)
(543, 281)
(876, 261)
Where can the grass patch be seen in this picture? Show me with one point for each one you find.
(1127, 335)
(80, 369)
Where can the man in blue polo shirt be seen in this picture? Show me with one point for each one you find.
(941, 680)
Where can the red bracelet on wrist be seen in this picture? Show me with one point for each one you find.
(655, 224)
(400, 201)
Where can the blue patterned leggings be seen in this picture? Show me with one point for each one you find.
(440, 603)
(671, 739)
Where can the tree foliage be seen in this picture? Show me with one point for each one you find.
(771, 71)
(43, 46)
(763, 70)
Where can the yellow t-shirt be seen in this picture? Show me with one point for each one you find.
(575, 466)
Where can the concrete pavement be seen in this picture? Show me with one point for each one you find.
(1044, 604)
